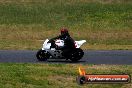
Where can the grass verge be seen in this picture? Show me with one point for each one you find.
(100, 22)
(55, 75)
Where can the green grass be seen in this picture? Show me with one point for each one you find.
(55, 15)
(55, 75)
(100, 22)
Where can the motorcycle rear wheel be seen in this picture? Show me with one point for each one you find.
(76, 55)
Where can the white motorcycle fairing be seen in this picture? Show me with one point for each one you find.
(46, 45)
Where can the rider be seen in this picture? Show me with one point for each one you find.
(68, 41)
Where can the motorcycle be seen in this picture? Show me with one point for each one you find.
(52, 53)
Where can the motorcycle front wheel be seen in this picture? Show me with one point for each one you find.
(42, 55)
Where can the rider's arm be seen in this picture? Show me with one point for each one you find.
(53, 39)
(68, 43)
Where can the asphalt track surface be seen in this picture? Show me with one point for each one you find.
(90, 57)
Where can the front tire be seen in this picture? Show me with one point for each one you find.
(42, 55)
(76, 55)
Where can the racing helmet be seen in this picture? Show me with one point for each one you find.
(64, 31)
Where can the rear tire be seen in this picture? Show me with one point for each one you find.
(76, 55)
(42, 55)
